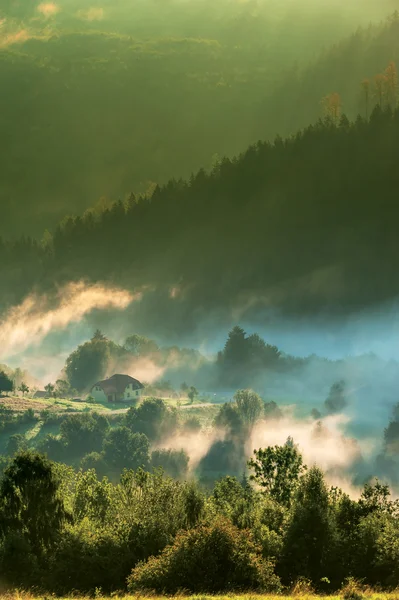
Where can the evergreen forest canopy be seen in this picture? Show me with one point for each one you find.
(323, 196)
(135, 85)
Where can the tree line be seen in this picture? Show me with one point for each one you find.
(312, 196)
(278, 528)
(220, 87)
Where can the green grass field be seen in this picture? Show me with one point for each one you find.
(367, 596)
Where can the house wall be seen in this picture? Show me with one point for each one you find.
(98, 394)
(131, 393)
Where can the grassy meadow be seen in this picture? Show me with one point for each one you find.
(366, 595)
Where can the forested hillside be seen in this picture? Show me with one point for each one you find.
(302, 224)
(100, 102)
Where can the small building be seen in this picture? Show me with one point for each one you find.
(118, 388)
(41, 394)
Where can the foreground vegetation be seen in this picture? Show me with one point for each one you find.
(364, 594)
(65, 531)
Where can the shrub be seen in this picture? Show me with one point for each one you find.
(208, 559)
(16, 443)
(173, 462)
(95, 461)
(353, 589)
(302, 587)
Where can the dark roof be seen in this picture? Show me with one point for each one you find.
(41, 394)
(117, 384)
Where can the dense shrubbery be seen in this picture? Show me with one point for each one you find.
(62, 530)
(209, 558)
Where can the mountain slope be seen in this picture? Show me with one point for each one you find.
(89, 113)
(299, 226)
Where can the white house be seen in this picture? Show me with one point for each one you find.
(118, 388)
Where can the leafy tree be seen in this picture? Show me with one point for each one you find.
(235, 349)
(140, 345)
(98, 336)
(89, 362)
(95, 461)
(272, 410)
(192, 394)
(23, 388)
(277, 470)
(173, 462)
(337, 399)
(124, 449)
(53, 447)
(92, 497)
(208, 559)
(152, 418)
(6, 384)
(30, 503)
(50, 389)
(16, 443)
(310, 534)
(229, 417)
(249, 406)
(63, 389)
(84, 432)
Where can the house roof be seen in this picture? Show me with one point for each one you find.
(41, 394)
(117, 384)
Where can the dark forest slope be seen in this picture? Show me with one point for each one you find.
(90, 113)
(299, 225)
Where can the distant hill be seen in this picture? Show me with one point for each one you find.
(298, 226)
(113, 97)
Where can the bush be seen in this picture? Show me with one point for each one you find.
(16, 443)
(353, 590)
(153, 418)
(52, 447)
(208, 559)
(173, 462)
(95, 461)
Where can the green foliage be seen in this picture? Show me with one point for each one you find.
(336, 400)
(30, 504)
(95, 461)
(173, 462)
(6, 384)
(140, 346)
(52, 446)
(89, 248)
(192, 393)
(153, 418)
(229, 418)
(277, 470)
(92, 498)
(89, 362)
(191, 425)
(83, 433)
(245, 355)
(16, 443)
(124, 449)
(272, 410)
(310, 534)
(208, 559)
(249, 406)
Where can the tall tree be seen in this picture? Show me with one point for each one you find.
(249, 405)
(30, 500)
(6, 383)
(277, 470)
(309, 538)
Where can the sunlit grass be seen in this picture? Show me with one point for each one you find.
(367, 596)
